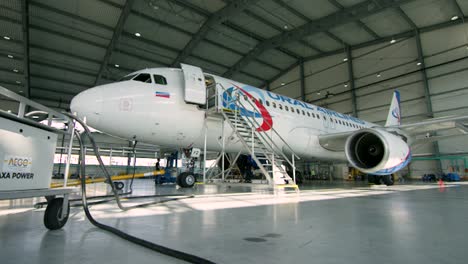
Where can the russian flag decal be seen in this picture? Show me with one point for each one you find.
(162, 94)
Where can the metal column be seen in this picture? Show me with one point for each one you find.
(352, 86)
(204, 151)
(302, 76)
(427, 93)
(25, 18)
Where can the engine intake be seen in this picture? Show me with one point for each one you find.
(376, 151)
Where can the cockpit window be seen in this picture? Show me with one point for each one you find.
(143, 77)
(159, 79)
(128, 77)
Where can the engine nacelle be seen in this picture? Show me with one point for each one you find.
(376, 151)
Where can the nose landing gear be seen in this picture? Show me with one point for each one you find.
(186, 179)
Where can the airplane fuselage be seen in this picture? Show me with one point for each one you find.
(157, 113)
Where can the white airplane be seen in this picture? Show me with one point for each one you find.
(168, 106)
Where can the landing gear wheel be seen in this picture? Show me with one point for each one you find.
(388, 180)
(377, 180)
(53, 214)
(371, 179)
(119, 185)
(157, 181)
(186, 180)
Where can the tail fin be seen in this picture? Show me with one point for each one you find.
(394, 114)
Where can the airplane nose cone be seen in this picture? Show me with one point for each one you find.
(88, 105)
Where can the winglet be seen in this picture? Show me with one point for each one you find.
(394, 114)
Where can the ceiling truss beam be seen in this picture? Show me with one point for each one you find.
(26, 65)
(202, 12)
(358, 22)
(407, 34)
(406, 17)
(306, 19)
(347, 15)
(459, 10)
(232, 9)
(278, 28)
(115, 38)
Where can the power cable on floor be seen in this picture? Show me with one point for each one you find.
(150, 245)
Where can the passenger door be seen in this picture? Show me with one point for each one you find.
(194, 81)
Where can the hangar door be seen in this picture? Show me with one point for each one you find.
(194, 80)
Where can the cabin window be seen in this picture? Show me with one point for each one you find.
(267, 103)
(324, 118)
(286, 108)
(274, 104)
(128, 77)
(245, 97)
(260, 101)
(313, 115)
(331, 119)
(280, 106)
(308, 114)
(159, 79)
(143, 77)
(303, 113)
(297, 111)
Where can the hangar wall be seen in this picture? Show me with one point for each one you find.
(381, 68)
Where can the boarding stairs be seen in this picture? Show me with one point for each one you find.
(265, 147)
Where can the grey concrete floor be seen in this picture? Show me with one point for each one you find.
(324, 223)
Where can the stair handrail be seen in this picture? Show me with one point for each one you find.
(252, 120)
(260, 165)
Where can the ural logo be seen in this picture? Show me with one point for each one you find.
(396, 114)
(263, 113)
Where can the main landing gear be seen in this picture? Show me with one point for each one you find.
(388, 180)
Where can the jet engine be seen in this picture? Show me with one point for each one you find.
(376, 151)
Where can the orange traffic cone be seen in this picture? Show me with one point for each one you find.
(441, 183)
(441, 186)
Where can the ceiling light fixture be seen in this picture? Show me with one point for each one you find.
(10, 56)
(419, 63)
(15, 70)
(35, 117)
(18, 82)
(137, 34)
(455, 17)
(21, 91)
(6, 37)
(345, 59)
(392, 41)
(285, 26)
(378, 75)
(116, 65)
(9, 111)
(318, 93)
(283, 84)
(345, 85)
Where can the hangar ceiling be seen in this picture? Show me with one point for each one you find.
(64, 47)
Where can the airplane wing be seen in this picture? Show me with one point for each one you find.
(420, 132)
(435, 124)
